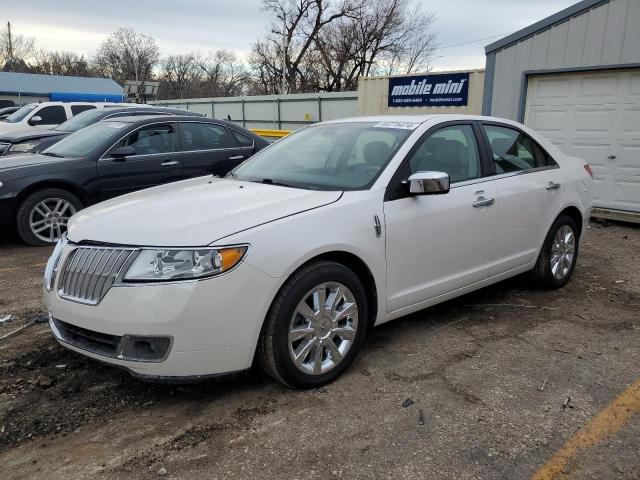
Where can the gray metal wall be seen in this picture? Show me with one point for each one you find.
(280, 112)
(606, 35)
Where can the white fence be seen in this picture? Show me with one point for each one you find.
(281, 112)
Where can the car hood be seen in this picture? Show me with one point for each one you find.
(14, 162)
(23, 136)
(191, 213)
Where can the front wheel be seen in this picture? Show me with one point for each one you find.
(314, 327)
(42, 217)
(559, 254)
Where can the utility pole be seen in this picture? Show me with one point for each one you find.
(285, 47)
(10, 47)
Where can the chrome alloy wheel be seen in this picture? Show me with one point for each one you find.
(48, 218)
(563, 250)
(323, 328)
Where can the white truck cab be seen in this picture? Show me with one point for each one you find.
(46, 115)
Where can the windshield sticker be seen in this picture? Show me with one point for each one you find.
(115, 124)
(403, 125)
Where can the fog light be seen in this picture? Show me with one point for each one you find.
(144, 349)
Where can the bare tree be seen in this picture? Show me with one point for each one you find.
(180, 75)
(223, 74)
(60, 63)
(15, 50)
(285, 51)
(384, 37)
(127, 55)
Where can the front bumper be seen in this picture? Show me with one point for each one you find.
(213, 324)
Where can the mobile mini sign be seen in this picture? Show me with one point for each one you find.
(446, 90)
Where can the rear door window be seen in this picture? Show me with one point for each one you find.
(76, 109)
(203, 136)
(242, 140)
(513, 151)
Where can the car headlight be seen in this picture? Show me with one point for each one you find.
(23, 147)
(153, 265)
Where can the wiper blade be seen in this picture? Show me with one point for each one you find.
(49, 154)
(271, 181)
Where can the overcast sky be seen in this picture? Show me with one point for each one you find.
(201, 25)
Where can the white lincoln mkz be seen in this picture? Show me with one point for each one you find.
(296, 253)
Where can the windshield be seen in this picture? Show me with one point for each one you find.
(81, 120)
(21, 114)
(334, 156)
(85, 141)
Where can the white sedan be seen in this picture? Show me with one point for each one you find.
(300, 250)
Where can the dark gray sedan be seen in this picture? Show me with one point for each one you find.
(40, 192)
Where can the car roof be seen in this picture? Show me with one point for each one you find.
(434, 117)
(170, 118)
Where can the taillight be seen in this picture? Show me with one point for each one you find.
(587, 167)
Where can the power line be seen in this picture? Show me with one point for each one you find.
(474, 41)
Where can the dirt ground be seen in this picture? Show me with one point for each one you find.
(489, 375)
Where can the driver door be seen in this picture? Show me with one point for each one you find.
(436, 244)
(157, 160)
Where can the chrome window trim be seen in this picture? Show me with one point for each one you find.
(211, 150)
(525, 172)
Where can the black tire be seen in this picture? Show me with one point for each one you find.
(542, 274)
(29, 203)
(273, 347)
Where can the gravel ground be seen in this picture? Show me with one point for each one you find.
(486, 374)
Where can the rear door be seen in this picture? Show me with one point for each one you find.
(529, 187)
(207, 149)
(156, 161)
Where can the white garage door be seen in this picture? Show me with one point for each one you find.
(595, 116)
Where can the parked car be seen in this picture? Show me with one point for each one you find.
(45, 115)
(33, 141)
(300, 250)
(6, 111)
(39, 192)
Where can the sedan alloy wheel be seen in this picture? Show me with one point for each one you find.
(323, 328)
(48, 218)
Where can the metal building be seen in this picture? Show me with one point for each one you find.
(23, 88)
(575, 78)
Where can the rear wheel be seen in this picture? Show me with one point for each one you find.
(559, 254)
(314, 327)
(43, 216)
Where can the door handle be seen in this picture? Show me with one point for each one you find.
(484, 202)
(552, 186)
(237, 157)
(171, 163)
(611, 157)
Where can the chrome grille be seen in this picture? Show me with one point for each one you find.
(89, 272)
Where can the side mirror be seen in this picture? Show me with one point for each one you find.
(429, 183)
(36, 119)
(123, 152)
